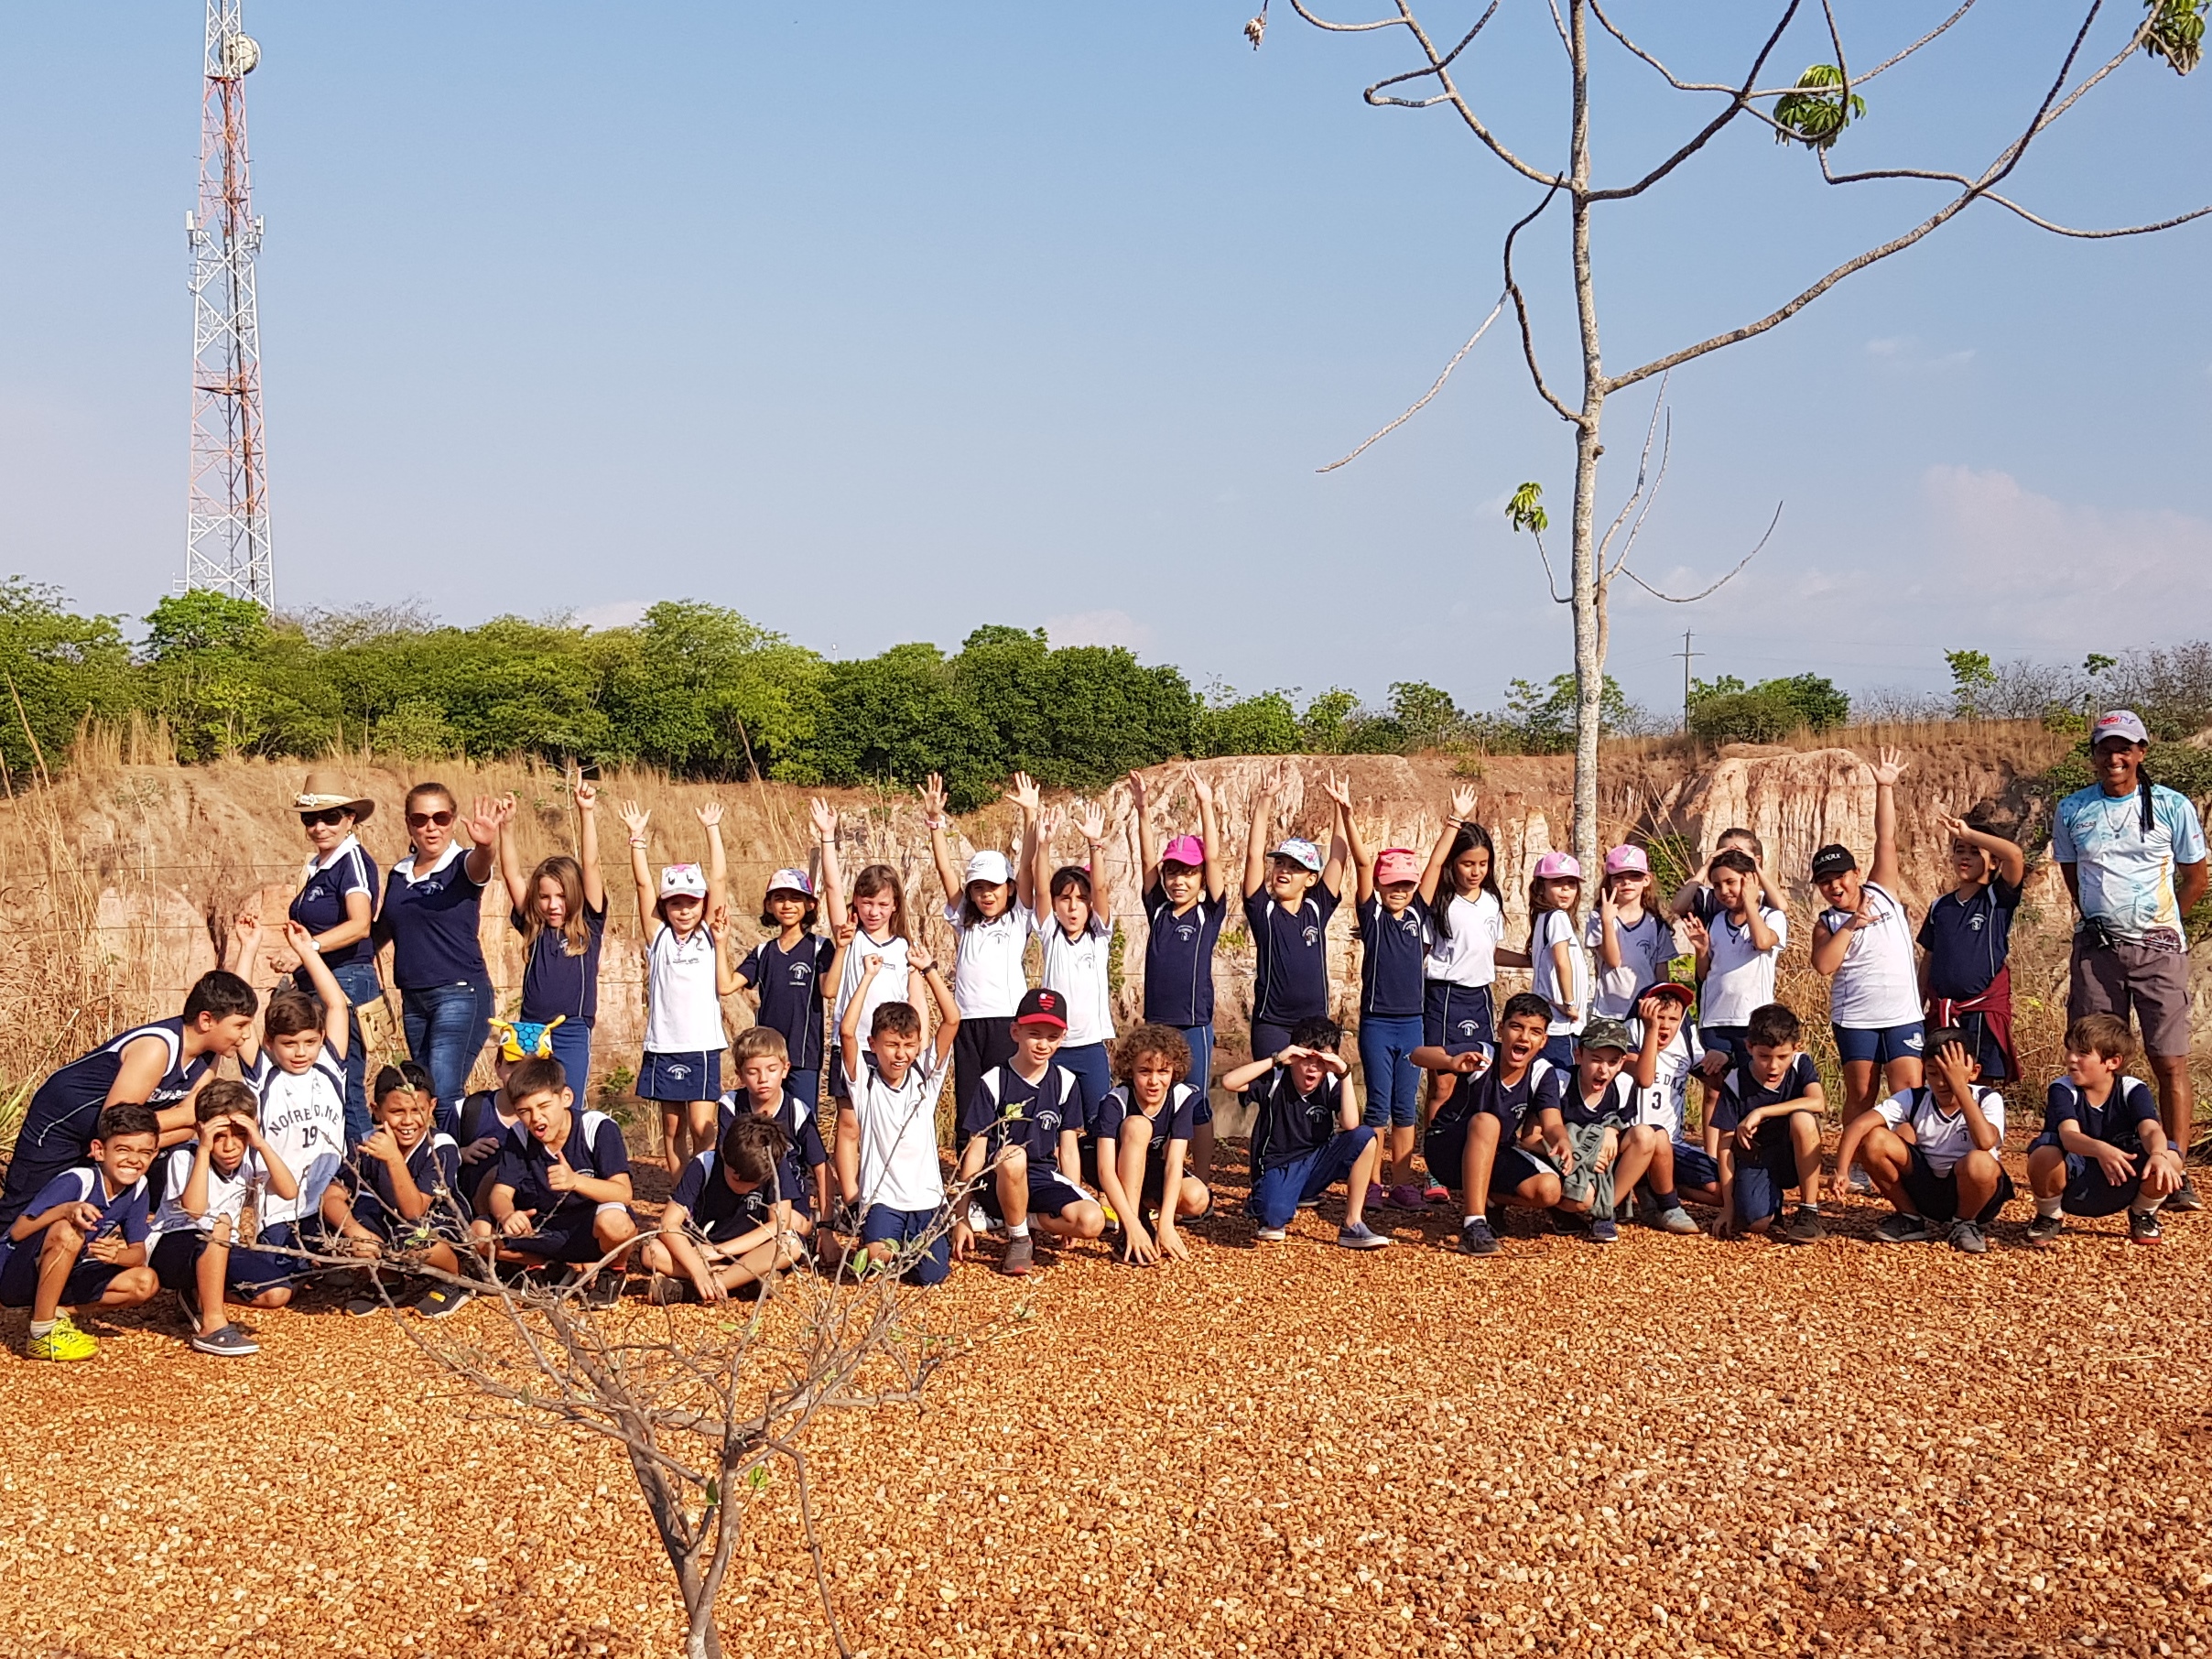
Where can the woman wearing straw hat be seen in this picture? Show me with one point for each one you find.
(336, 903)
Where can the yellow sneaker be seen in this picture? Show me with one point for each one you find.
(65, 1341)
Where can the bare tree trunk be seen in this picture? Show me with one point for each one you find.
(1590, 622)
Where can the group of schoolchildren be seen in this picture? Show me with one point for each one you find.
(138, 1169)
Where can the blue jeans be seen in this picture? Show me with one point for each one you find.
(1276, 1193)
(359, 982)
(1394, 1081)
(1200, 1038)
(446, 1027)
(571, 1042)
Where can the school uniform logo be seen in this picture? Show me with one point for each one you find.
(1466, 1028)
(674, 1070)
(1312, 935)
(800, 973)
(1974, 923)
(1185, 931)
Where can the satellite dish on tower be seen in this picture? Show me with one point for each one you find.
(240, 54)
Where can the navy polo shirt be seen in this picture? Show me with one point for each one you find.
(434, 1166)
(432, 922)
(1741, 1096)
(1179, 958)
(790, 987)
(2118, 1122)
(595, 1148)
(1177, 1119)
(1014, 1111)
(714, 1210)
(1289, 1125)
(1290, 974)
(321, 903)
(128, 1213)
(805, 1153)
(556, 986)
(1391, 950)
(1562, 1090)
(1967, 943)
(57, 1125)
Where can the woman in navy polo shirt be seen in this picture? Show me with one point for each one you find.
(337, 903)
(432, 901)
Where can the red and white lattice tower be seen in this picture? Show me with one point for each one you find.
(227, 540)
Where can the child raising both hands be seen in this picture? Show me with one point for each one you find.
(687, 972)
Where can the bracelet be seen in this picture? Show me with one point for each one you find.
(933, 823)
(639, 841)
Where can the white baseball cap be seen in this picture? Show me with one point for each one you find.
(2123, 724)
(683, 881)
(989, 867)
(787, 881)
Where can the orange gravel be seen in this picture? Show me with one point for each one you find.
(1672, 1446)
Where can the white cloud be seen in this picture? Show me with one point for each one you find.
(614, 613)
(1098, 628)
(1905, 354)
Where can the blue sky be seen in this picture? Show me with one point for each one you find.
(878, 322)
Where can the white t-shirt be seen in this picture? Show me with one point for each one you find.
(1645, 950)
(889, 986)
(899, 1167)
(303, 1119)
(227, 1195)
(1875, 985)
(1666, 1104)
(1077, 969)
(988, 979)
(1943, 1138)
(683, 1014)
(1469, 956)
(1739, 978)
(1556, 927)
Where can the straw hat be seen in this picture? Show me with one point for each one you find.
(324, 790)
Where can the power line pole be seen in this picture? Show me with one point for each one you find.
(227, 519)
(1685, 653)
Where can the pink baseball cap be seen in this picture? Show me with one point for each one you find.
(1185, 850)
(1627, 858)
(1558, 866)
(1396, 864)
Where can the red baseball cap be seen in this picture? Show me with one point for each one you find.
(1042, 1007)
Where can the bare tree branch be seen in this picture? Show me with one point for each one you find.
(1528, 340)
(1691, 599)
(1706, 135)
(1423, 400)
(1440, 66)
(1421, 103)
(1937, 174)
(1345, 28)
(1643, 472)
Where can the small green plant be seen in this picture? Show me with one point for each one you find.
(1817, 113)
(1469, 767)
(2174, 31)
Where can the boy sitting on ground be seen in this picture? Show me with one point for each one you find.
(1144, 1128)
(1582, 1114)
(887, 1165)
(2103, 1148)
(1657, 1163)
(764, 1068)
(296, 1071)
(562, 1195)
(1476, 1134)
(1307, 1136)
(729, 1227)
(1017, 1127)
(1932, 1150)
(83, 1241)
(1769, 1119)
(487, 1118)
(207, 1227)
(395, 1196)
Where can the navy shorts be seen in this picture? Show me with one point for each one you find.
(1732, 1039)
(1880, 1044)
(1050, 1194)
(1694, 1166)
(19, 1276)
(565, 1236)
(249, 1271)
(1763, 1175)
(1936, 1196)
(1278, 1192)
(2088, 1193)
(678, 1078)
(1559, 1049)
(1093, 1076)
(1156, 1189)
(884, 1225)
(1513, 1168)
(1456, 1014)
(1981, 1031)
(1200, 1038)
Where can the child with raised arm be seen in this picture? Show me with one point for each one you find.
(787, 975)
(296, 1071)
(1698, 901)
(886, 1158)
(397, 1196)
(561, 1196)
(2103, 1148)
(83, 1241)
(1017, 1128)
(729, 1226)
(560, 910)
(879, 928)
(687, 972)
(205, 1233)
(1933, 1152)
(1185, 901)
(1307, 1134)
(1738, 946)
(1393, 933)
(1966, 980)
(991, 928)
(1077, 934)
(1487, 1135)
(1769, 1120)
(1863, 942)
(1559, 967)
(1655, 1152)
(1143, 1130)
(1632, 943)
(1290, 895)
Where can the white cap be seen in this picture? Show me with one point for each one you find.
(989, 867)
(791, 881)
(683, 881)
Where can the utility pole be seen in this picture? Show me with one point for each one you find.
(1686, 655)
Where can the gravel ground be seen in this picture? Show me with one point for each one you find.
(1671, 1446)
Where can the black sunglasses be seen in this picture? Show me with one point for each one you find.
(329, 815)
(418, 821)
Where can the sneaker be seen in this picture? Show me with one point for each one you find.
(1804, 1227)
(1360, 1236)
(360, 1307)
(979, 1220)
(1377, 1195)
(189, 1301)
(443, 1301)
(229, 1343)
(2042, 1230)
(666, 1290)
(1476, 1238)
(65, 1341)
(1436, 1192)
(2142, 1225)
(1676, 1219)
(1902, 1228)
(1407, 1196)
(1603, 1230)
(2183, 1200)
(1860, 1185)
(603, 1290)
(1273, 1235)
(1020, 1257)
(1967, 1237)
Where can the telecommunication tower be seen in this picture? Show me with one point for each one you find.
(227, 535)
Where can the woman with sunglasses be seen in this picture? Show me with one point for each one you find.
(336, 903)
(432, 903)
